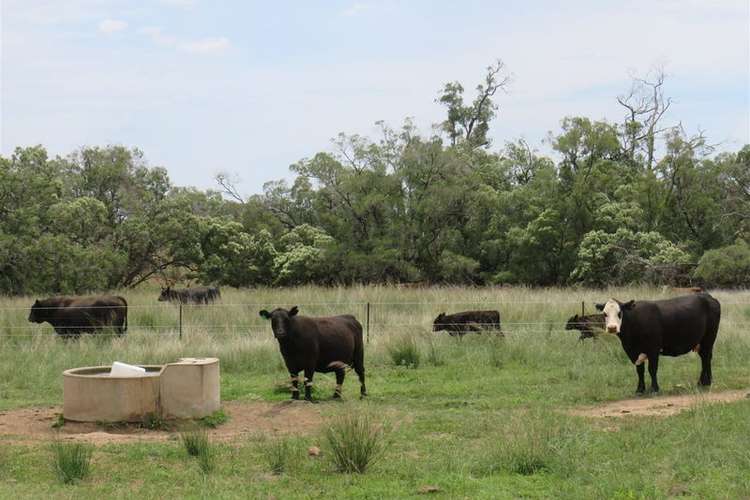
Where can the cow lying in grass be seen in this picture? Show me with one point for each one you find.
(308, 344)
(467, 321)
(648, 329)
(589, 325)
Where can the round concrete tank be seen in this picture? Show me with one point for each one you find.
(188, 388)
(91, 395)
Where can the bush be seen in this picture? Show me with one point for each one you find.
(197, 445)
(195, 442)
(72, 461)
(279, 455)
(726, 267)
(404, 352)
(356, 442)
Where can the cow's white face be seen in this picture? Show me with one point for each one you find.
(612, 316)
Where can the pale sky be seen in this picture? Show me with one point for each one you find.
(250, 87)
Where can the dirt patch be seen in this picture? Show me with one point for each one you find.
(662, 406)
(245, 419)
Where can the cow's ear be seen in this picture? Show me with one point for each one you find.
(599, 307)
(294, 310)
(628, 305)
(265, 314)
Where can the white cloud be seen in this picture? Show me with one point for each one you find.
(157, 36)
(356, 9)
(179, 3)
(206, 45)
(209, 45)
(109, 26)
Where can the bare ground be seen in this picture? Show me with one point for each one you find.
(245, 419)
(661, 406)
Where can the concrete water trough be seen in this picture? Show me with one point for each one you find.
(188, 388)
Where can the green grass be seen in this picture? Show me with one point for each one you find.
(482, 417)
(71, 461)
(355, 441)
(280, 455)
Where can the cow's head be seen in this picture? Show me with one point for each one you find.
(164, 294)
(280, 319)
(573, 323)
(613, 311)
(36, 315)
(438, 323)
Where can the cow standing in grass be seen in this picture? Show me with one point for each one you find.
(648, 329)
(467, 321)
(328, 344)
(587, 324)
(71, 316)
(196, 295)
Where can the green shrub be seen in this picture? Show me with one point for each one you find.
(279, 455)
(72, 461)
(215, 419)
(404, 352)
(194, 442)
(725, 267)
(355, 442)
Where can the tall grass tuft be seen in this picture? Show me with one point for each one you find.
(435, 356)
(72, 461)
(280, 455)
(356, 442)
(532, 443)
(195, 442)
(404, 351)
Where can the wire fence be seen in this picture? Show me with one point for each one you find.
(377, 318)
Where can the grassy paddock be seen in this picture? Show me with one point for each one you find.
(478, 417)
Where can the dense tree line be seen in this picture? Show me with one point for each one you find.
(621, 203)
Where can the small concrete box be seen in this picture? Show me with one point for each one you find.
(188, 388)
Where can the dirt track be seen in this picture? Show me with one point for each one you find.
(662, 406)
(245, 419)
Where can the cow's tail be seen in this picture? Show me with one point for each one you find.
(124, 327)
(338, 365)
(712, 325)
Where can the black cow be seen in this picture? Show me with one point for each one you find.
(467, 321)
(196, 295)
(71, 316)
(648, 329)
(328, 344)
(586, 324)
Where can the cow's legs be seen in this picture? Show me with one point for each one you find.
(295, 385)
(706, 355)
(360, 370)
(308, 383)
(340, 373)
(640, 370)
(653, 366)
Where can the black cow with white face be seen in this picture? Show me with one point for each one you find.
(673, 327)
(328, 344)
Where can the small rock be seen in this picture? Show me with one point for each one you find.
(427, 488)
(313, 451)
(624, 411)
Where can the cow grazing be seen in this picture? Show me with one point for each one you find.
(328, 344)
(196, 295)
(71, 316)
(673, 327)
(467, 321)
(588, 325)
